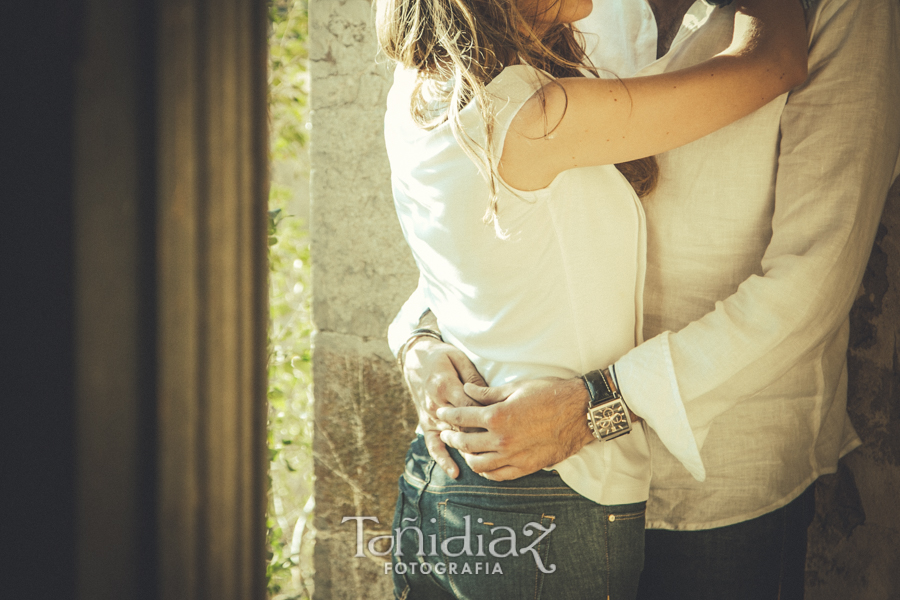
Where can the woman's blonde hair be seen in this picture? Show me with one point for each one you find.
(459, 46)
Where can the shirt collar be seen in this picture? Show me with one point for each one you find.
(697, 16)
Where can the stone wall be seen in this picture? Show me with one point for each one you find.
(854, 542)
(362, 272)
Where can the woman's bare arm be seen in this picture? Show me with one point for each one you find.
(606, 121)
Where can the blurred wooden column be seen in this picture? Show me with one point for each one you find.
(171, 193)
(212, 270)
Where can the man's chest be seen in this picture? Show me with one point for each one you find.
(715, 197)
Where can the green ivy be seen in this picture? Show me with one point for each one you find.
(288, 77)
(289, 521)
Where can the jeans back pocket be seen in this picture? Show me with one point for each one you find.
(493, 554)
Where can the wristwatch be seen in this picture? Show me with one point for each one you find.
(607, 415)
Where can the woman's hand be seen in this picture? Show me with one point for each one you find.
(775, 32)
(435, 372)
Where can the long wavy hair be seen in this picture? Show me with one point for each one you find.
(458, 46)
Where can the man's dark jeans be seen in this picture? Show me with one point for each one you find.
(759, 559)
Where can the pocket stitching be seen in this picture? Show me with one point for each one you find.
(442, 510)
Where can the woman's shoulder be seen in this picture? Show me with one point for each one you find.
(508, 92)
(402, 87)
(518, 83)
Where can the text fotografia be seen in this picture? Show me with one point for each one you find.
(443, 568)
(503, 543)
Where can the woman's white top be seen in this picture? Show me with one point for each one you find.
(539, 302)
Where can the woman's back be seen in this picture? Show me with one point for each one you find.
(562, 292)
(558, 296)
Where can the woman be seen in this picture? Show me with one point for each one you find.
(490, 112)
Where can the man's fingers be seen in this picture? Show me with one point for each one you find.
(496, 467)
(505, 473)
(466, 416)
(488, 395)
(485, 462)
(438, 452)
(470, 442)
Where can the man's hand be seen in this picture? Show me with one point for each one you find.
(530, 424)
(435, 373)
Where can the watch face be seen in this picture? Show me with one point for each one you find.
(610, 420)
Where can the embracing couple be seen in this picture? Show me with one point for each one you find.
(640, 226)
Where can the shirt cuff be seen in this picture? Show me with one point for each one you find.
(646, 378)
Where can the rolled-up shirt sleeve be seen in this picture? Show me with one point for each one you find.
(840, 141)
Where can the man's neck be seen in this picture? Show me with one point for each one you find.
(669, 15)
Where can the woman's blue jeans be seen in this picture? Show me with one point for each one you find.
(532, 537)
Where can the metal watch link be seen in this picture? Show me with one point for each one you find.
(607, 415)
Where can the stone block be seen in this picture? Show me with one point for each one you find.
(363, 424)
(363, 270)
(339, 576)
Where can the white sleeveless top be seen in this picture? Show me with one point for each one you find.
(538, 303)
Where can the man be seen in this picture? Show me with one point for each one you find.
(757, 240)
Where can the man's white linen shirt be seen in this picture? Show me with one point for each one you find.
(758, 236)
(755, 256)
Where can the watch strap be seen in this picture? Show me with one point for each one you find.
(598, 387)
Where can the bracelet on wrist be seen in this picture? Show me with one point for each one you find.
(426, 331)
(414, 335)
